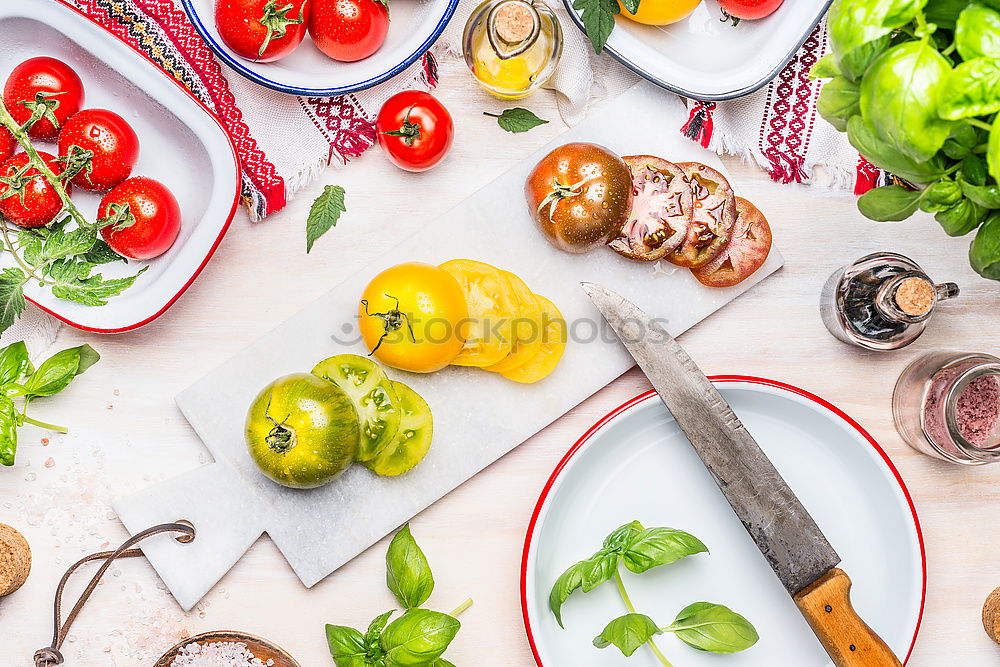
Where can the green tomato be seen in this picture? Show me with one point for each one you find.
(370, 389)
(302, 431)
(412, 441)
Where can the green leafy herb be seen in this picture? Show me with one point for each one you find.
(598, 17)
(984, 253)
(889, 202)
(418, 637)
(324, 214)
(517, 119)
(628, 633)
(977, 33)
(20, 380)
(407, 572)
(839, 99)
(713, 627)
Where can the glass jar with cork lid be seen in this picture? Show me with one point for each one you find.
(883, 301)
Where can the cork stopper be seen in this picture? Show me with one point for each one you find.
(514, 22)
(991, 615)
(914, 296)
(15, 560)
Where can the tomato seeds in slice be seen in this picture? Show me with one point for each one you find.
(413, 440)
(747, 250)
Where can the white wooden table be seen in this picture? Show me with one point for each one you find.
(128, 433)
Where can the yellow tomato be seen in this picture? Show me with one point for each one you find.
(553, 345)
(661, 12)
(410, 317)
(527, 330)
(493, 306)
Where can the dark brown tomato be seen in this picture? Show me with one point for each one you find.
(747, 250)
(713, 213)
(579, 195)
(660, 215)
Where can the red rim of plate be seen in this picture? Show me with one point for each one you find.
(222, 232)
(714, 378)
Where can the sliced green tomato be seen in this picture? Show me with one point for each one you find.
(413, 439)
(371, 390)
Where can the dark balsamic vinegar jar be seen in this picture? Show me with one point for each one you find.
(881, 302)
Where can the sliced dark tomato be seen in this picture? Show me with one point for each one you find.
(747, 250)
(713, 214)
(660, 215)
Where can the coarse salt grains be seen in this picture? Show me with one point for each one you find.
(218, 654)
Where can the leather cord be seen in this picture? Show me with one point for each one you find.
(50, 655)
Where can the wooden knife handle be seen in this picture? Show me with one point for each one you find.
(826, 604)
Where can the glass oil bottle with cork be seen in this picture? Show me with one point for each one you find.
(512, 46)
(883, 301)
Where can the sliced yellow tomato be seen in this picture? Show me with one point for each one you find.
(527, 329)
(661, 12)
(554, 339)
(493, 307)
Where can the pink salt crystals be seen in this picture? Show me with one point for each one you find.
(218, 654)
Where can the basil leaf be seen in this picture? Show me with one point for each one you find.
(944, 13)
(713, 627)
(418, 638)
(987, 196)
(974, 170)
(863, 138)
(993, 150)
(971, 89)
(441, 662)
(598, 17)
(347, 646)
(889, 202)
(14, 362)
(407, 572)
(12, 302)
(622, 537)
(825, 68)
(860, 29)
(376, 627)
(977, 33)
(8, 431)
(56, 372)
(984, 253)
(906, 119)
(660, 546)
(940, 196)
(517, 120)
(628, 633)
(963, 139)
(324, 214)
(598, 569)
(568, 582)
(838, 101)
(961, 218)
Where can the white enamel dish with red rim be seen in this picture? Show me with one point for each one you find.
(635, 463)
(182, 144)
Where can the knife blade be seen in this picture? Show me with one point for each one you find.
(784, 531)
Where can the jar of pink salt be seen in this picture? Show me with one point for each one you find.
(947, 405)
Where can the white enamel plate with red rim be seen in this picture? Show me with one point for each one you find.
(637, 464)
(182, 145)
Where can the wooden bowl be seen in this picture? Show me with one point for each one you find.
(261, 648)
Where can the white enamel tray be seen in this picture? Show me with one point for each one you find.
(414, 25)
(704, 57)
(636, 464)
(182, 144)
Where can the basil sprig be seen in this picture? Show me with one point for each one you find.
(417, 638)
(703, 625)
(20, 381)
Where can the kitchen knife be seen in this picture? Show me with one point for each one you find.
(785, 533)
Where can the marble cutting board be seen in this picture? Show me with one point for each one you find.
(478, 416)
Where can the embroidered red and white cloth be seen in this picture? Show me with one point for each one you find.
(283, 141)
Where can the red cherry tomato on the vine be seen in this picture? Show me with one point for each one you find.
(414, 130)
(157, 218)
(26, 198)
(262, 30)
(749, 9)
(45, 79)
(8, 144)
(349, 30)
(112, 141)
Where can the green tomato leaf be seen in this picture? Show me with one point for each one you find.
(101, 253)
(14, 362)
(984, 253)
(407, 572)
(12, 302)
(977, 33)
(598, 17)
(661, 546)
(347, 646)
(59, 244)
(418, 638)
(568, 582)
(55, 373)
(971, 89)
(73, 282)
(839, 100)
(598, 569)
(863, 138)
(899, 99)
(622, 537)
(889, 202)
(960, 219)
(8, 431)
(324, 213)
(517, 120)
(628, 633)
(31, 247)
(825, 68)
(987, 196)
(631, 5)
(713, 627)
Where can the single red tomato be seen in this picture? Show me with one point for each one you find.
(8, 144)
(26, 198)
(52, 80)
(749, 9)
(157, 218)
(349, 30)
(414, 130)
(262, 30)
(112, 141)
